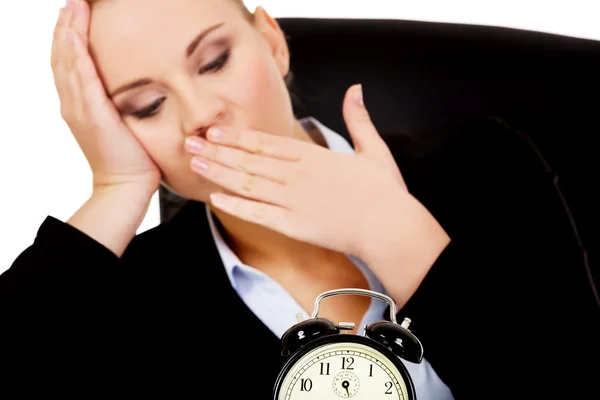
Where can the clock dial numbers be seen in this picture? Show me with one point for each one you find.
(343, 370)
(346, 384)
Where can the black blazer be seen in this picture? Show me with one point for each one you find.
(506, 301)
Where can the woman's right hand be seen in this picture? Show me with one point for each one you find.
(115, 156)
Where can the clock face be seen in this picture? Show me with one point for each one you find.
(346, 370)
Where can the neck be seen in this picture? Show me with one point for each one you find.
(257, 245)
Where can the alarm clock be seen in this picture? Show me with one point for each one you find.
(326, 362)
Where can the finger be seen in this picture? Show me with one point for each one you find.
(247, 185)
(269, 145)
(61, 54)
(363, 133)
(81, 19)
(67, 79)
(250, 163)
(65, 17)
(268, 215)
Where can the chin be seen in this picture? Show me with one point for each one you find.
(195, 191)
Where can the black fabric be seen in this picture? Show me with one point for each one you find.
(519, 305)
(506, 304)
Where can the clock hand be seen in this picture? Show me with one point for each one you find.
(346, 385)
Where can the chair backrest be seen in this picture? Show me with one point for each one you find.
(422, 77)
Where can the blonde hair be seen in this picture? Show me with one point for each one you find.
(240, 3)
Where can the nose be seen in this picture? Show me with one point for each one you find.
(200, 111)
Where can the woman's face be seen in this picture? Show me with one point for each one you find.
(174, 68)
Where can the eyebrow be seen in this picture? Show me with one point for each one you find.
(188, 52)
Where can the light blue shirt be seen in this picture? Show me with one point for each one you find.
(277, 309)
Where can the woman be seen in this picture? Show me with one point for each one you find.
(193, 94)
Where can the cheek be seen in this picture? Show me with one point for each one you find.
(259, 90)
(158, 139)
(164, 144)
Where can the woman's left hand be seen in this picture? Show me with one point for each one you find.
(303, 190)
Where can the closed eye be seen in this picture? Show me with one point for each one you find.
(217, 64)
(149, 111)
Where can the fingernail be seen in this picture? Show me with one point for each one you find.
(194, 144)
(199, 164)
(215, 133)
(358, 96)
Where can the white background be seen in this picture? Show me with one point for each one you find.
(42, 171)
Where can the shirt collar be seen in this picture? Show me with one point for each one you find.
(335, 142)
